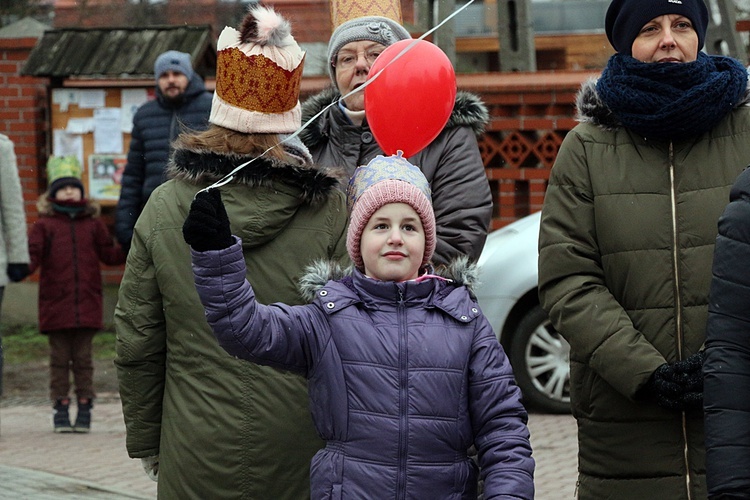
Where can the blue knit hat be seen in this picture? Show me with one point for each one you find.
(174, 61)
(625, 18)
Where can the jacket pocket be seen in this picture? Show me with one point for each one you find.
(336, 492)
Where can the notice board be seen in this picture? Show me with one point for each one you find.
(94, 124)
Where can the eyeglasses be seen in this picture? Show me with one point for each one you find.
(347, 60)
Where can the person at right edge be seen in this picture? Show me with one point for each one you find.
(626, 243)
(341, 137)
(726, 369)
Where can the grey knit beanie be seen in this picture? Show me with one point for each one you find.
(374, 28)
(174, 61)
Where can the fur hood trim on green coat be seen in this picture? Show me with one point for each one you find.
(206, 167)
(461, 271)
(469, 111)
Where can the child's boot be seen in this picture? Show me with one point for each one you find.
(83, 418)
(60, 416)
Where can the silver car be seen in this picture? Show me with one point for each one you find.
(508, 296)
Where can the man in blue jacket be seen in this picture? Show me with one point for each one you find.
(182, 103)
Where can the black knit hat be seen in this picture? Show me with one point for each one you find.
(625, 18)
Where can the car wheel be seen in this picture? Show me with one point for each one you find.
(541, 363)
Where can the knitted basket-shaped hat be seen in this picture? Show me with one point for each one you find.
(258, 76)
(388, 179)
(63, 171)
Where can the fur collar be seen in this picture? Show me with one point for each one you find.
(206, 167)
(460, 271)
(591, 109)
(469, 111)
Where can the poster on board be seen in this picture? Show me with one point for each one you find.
(105, 174)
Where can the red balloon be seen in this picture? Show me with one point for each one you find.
(410, 102)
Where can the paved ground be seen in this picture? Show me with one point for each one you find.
(37, 464)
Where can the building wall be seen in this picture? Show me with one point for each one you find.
(23, 117)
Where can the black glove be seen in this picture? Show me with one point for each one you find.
(17, 272)
(689, 374)
(207, 224)
(678, 386)
(662, 386)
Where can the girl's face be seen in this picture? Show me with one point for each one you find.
(668, 38)
(392, 243)
(68, 193)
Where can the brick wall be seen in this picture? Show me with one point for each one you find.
(23, 116)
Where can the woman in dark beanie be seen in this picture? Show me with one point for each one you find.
(626, 244)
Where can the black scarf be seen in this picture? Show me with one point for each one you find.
(70, 207)
(672, 101)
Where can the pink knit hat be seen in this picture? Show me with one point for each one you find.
(258, 76)
(388, 179)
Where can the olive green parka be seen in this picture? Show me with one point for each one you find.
(625, 251)
(222, 427)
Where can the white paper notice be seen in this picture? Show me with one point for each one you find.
(64, 98)
(107, 134)
(91, 99)
(80, 125)
(65, 144)
(131, 100)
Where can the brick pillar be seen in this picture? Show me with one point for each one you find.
(23, 117)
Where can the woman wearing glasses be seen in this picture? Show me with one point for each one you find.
(452, 163)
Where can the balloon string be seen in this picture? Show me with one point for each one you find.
(230, 176)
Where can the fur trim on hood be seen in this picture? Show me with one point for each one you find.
(461, 271)
(207, 167)
(469, 111)
(591, 109)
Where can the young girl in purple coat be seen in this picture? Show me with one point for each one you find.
(405, 373)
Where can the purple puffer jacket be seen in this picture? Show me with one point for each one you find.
(403, 379)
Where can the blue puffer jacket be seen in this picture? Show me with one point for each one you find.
(155, 125)
(727, 366)
(403, 379)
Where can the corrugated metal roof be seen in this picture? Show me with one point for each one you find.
(117, 52)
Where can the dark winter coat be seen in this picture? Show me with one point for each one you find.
(404, 378)
(68, 250)
(626, 244)
(727, 364)
(223, 428)
(451, 163)
(155, 125)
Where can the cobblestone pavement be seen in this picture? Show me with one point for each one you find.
(37, 464)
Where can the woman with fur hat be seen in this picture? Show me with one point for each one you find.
(341, 136)
(405, 372)
(204, 424)
(67, 244)
(626, 243)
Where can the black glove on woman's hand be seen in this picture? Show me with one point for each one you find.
(207, 224)
(689, 374)
(663, 387)
(17, 272)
